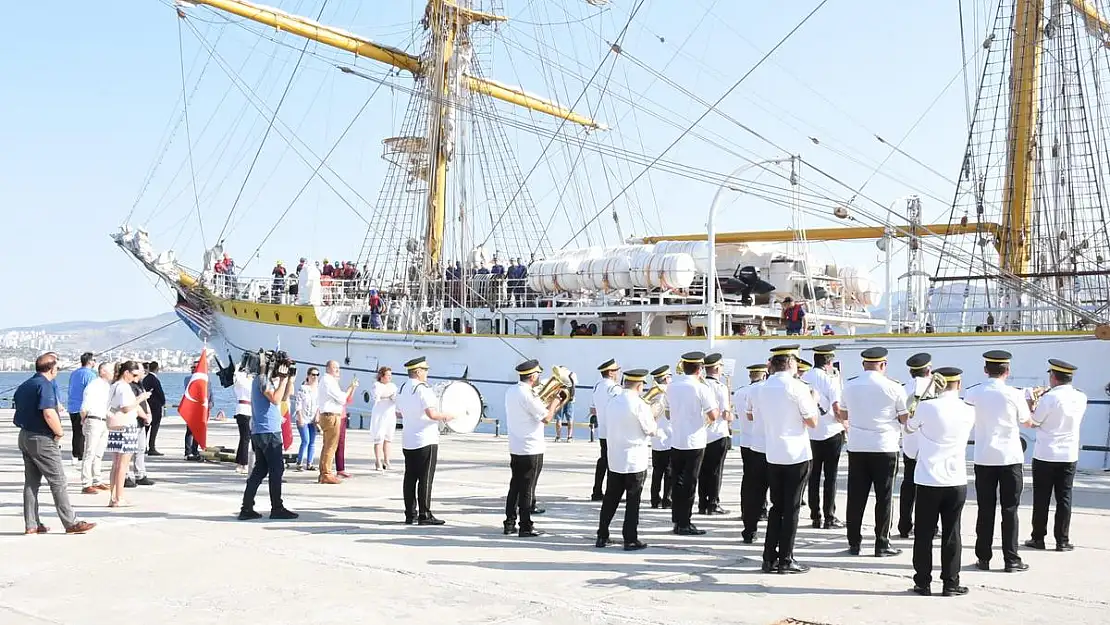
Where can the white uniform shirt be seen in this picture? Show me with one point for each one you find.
(718, 429)
(999, 412)
(243, 384)
(874, 402)
(1059, 414)
(308, 403)
(412, 400)
(524, 413)
(828, 393)
(784, 402)
(690, 400)
(630, 428)
(757, 439)
(740, 405)
(332, 398)
(603, 392)
(94, 401)
(942, 426)
(662, 439)
(915, 388)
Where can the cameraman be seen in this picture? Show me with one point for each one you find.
(271, 387)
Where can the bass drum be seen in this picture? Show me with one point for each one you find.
(462, 400)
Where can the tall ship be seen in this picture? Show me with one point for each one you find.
(462, 264)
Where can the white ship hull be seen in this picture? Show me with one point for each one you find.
(487, 361)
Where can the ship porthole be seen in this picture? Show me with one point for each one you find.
(300, 318)
(366, 396)
(234, 310)
(256, 315)
(276, 316)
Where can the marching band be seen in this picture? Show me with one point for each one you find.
(792, 426)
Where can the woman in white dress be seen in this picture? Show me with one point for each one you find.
(123, 426)
(383, 418)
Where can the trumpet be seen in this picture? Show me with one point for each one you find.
(558, 386)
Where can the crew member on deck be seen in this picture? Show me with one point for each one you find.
(921, 374)
(875, 407)
(942, 426)
(826, 439)
(718, 442)
(753, 452)
(1000, 410)
(693, 406)
(526, 416)
(630, 427)
(604, 390)
(1057, 417)
(420, 418)
(661, 475)
(791, 411)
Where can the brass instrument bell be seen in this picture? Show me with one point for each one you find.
(559, 385)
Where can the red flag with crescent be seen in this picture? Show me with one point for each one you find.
(194, 406)
(286, 424)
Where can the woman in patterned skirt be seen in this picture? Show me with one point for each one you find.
(123, 427)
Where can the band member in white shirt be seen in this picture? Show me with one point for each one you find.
(526, 416)
(875, 409)
(693, 406)
(789, 411)
(942, 425)
(630, 429)
(420, 418)
(661, 477)
(753, 453)
(243, 381)
(826, 439)
(604, 390)
(999, 412)
(718, 440)
(921, 374)
(1057, 417)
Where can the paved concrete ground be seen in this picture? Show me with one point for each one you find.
(179, 555)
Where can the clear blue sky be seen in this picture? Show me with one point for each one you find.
(89, 90)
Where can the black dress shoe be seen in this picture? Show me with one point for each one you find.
(509, 527)
(688, 530)
(703, 511)
(532, 533)
(905, 535)
(154, 452)
(769, 567)
(602, 543)
(635, 546)
(983, 565)
(954, 591)
(790, 567)
(1065, 547)
(853, 550)
(431, 520)
(248, 515)
(924, 591)
(596, 497)
(538, 510)
(763, 515)
(1033, 543)
(283, 515)
(888, 552)
(409, 520)
(833, 524)
(129, 483)
(717, 510)
(654, 505)
(666, 504)
(747, 539)
(817, 524)
(144, 481)
(1016, 567)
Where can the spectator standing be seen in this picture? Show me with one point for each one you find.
(157, 403)
(94, 421)
(308, 410)
(78, 380)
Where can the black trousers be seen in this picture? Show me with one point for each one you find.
(420, 472)
(241, 452)
(753, 489)
(77, 445)
(157, 412)
(826, 462)
(1052, 478)
(997, 485)
(268, 462)
(601, 469)
(946, 504)
(522, 488)
(867, 470)
(661, 475)
(685, 465)
(786, 483)
(711, 474)
(906, 495)
(630, 486)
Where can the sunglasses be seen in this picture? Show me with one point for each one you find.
(314, 375)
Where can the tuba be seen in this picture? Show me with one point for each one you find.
(559, 385)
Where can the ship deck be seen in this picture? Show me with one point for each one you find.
(179, 555)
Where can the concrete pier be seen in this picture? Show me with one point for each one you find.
(179, 555)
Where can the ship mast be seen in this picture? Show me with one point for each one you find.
(448, 23)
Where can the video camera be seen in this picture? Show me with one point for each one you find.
(269, 363)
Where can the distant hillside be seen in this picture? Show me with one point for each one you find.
(100, 335)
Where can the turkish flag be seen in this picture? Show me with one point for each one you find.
(286, 425)
(194, 403)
